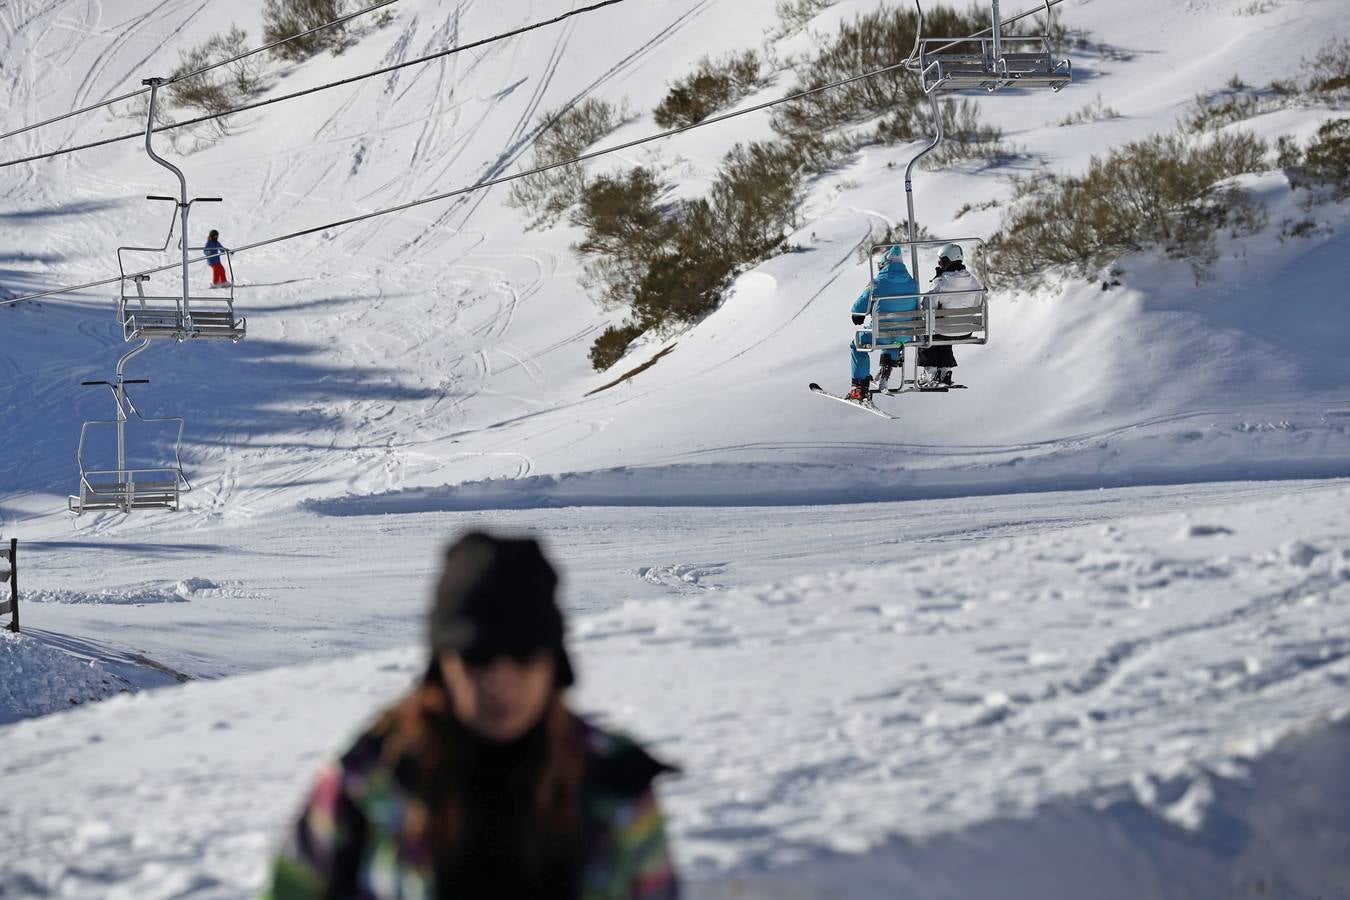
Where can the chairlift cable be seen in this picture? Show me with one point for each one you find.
(322, 87)
(711, 120)
(477, 186)
(186, 75)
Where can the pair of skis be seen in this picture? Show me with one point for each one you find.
(869, 406)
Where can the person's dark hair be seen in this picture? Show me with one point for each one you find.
(214, 235)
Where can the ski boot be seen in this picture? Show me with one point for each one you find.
(859, 390)
(887, 365)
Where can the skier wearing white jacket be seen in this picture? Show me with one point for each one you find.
(952, 277)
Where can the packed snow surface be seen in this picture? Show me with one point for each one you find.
(1129, 660)
(1079, 629)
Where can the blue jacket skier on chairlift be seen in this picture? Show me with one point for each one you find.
(213, 250)
(953, 288)
(895, 291)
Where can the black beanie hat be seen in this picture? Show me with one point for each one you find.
(496, 598)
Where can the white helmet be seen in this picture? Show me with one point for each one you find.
(952, 252)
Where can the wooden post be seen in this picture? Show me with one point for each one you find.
(14, 584)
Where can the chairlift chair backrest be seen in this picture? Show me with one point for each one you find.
(989, 62)
(961, 322)
(124, 486)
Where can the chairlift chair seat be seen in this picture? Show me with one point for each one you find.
(124, 495)
(944, 70)
(129, 487)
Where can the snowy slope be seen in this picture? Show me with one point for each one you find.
(445, 346)
(1091, 662)
(1137, 665)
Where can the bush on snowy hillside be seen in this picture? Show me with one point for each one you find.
(965, 135)
(1325, 165)
(626, 226)
(869, 42)
(670, 264)
(612, 344)
(285, 18)
(223, 87)
(1329, 69)
(713, 85)
(564, 134)
(795, 15)
(1164, 191)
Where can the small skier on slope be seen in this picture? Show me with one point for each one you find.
(213, 250)
(951, 280)
(896, 291)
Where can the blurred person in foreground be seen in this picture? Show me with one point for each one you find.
(480, 783)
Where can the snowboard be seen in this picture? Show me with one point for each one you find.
(865, 405)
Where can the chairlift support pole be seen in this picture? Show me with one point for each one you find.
(909, 183)
(183, 204)
(996, 35)
(120, 395)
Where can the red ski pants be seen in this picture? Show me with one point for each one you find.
(218, 273)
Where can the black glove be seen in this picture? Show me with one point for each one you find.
(858, 320)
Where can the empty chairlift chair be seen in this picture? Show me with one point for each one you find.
(989, 62)
(123, 485)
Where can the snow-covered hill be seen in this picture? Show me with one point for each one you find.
(446, 346)
(413, 374)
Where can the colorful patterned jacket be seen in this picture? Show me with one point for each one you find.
(363, 833)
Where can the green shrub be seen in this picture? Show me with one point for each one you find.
(1093, 112)
(872, 41)
(285, 18)
(795, 15)
(563, 134)
(221, 88)
(1329, 69)
(713, 85)
(755, 197)
(626, 227)
(1326, 162)
(1215, 111)
(1159, 192)
(670, 264)
(612, 344)
(965, 135)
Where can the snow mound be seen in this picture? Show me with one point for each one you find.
(1260, 828)
(37, 679)
(137, 595)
